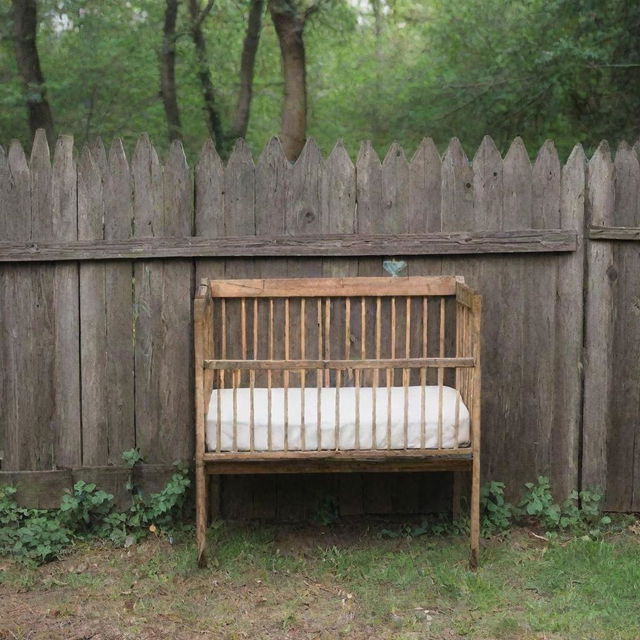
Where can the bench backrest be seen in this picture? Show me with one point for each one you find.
(364, 331)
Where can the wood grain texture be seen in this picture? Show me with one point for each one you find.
(239, 219)
(488, 212)
(162, 297)
(626, 234)
(18, 411)
(56, 206)
(516, 210)
(598, 349)
(623, 437)
(539, 330)
(209, 223)
(377, 494)
(569, 335)
(384, 286)
(106, 309)
(321, 245)
(457, 213)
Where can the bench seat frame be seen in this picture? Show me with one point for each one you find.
(465, 459)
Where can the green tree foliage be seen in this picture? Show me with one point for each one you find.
(389, 70)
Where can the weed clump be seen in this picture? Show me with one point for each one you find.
(36, 536)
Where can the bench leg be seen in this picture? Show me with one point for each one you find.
(475, 514)
(202, 501)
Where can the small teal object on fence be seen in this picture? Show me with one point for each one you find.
(394, 267)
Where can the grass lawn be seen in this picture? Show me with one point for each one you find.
(324, 583)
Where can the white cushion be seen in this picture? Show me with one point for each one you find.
(439, 427)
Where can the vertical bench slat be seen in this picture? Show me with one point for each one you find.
(286, 374)
(376, 376)
(270, 381)
(441, 372)
(423, 373)
(405, 372)
(303, 374)
(391, 372)
(319, 377)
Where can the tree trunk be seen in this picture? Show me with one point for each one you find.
(204, 75)
(247, 66)
(168, 71)
(289, 24)
(28, 61)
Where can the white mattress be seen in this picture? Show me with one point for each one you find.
(452, 407)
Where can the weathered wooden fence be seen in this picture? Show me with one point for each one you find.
(99, 256)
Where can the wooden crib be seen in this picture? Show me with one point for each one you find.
(305, 375)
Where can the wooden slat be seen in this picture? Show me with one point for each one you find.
(339, 213)
(569, 336)
(326, 245)
(333, 287)
(289, 511)
(106, 309)
(378, 363)
(164, 381)
(66, 351)
(599, 317)
(512, 450)
(21, 414)
(623, 437)
(625, 234)
(539, 330)
(444, 454)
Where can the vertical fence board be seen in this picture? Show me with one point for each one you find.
(93, 324)
(67, 313)
(18, 410)
(304, 216)
(488, 214)
(306, 202)
(36, 442)
(458, 214)
(539, 327)
(371, 219)
(209, 206)
(209, 223)
(339, 216)
(106, 309)
(273, 177)
(623, 474)
(565, 432)
(163, 292)
(339, 206)
(239, 218)
(512, 457)
(425, 183)
(598, 322)
(119, 307)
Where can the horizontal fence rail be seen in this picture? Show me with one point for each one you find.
(416, 244)
(626, 234)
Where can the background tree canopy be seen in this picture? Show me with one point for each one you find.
(383, 70)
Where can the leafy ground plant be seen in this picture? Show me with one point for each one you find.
(580, 513)
(36, 536)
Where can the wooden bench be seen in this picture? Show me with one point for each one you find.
(304, 375)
